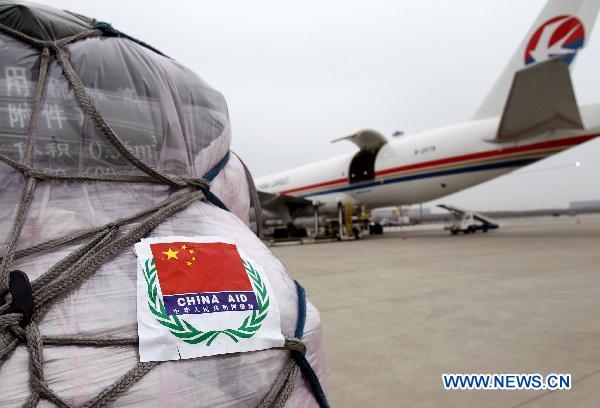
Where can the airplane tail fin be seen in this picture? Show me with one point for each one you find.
(561, 29)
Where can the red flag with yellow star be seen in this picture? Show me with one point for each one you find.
(192, 267)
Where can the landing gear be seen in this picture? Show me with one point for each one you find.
(296, 232)
(376, 229)
(290, 231)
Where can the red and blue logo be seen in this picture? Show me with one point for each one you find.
(558, 37)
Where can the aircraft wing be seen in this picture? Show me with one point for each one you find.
(283, 205)
(541, 99)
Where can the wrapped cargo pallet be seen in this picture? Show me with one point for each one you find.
(128, 273)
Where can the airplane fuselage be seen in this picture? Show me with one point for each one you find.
(424, 166)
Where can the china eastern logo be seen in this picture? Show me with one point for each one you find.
(560, 37)
(202, 278)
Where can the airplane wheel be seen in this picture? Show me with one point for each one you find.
(376, 229)
(454, 232)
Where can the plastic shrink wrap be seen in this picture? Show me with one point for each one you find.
(173, 122)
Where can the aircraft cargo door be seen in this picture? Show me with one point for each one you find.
(362, 166)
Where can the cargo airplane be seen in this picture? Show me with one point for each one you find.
(530, 113)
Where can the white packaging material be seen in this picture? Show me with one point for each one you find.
(174, 123)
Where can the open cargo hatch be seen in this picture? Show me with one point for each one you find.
(362, 165)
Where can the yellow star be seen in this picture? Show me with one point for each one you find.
(191, 251)
(171, 254)
(188, 263)
(184, 247)
(193, 258)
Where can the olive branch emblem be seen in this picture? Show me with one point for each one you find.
(190, 334)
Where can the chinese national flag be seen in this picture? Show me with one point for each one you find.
(193, 267)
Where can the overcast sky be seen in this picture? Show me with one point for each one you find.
(298, 74)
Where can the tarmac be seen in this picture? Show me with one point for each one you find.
(400, 309)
